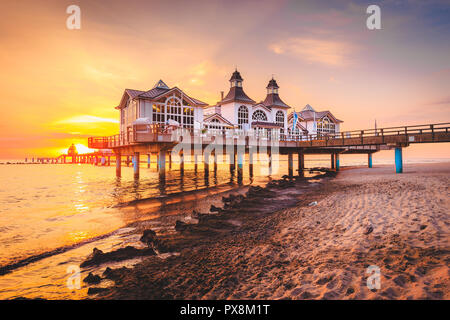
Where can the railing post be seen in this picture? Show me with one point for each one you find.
(432, 132)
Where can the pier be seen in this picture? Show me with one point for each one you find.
(165, 141)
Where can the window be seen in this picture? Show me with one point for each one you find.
(159, 113)
(279, 118)
(173, 108)
(242, 116)
(188, 117)
(325, 126)
(259, 115)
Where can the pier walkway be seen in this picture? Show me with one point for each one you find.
(166, 140)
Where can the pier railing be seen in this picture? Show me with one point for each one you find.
(163, 133)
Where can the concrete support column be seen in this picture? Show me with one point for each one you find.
(157, 162)
(250, 162)
(195, 162)
(109, 161)
(128, 161)
(170, 160)
(269, 153)
(369, 160)
(162, 164)
(118, 165)
(290, 165)
(333, 161)
(206, 163)
(232, 160)
(240, 166)
(136, 165)
(215, 162)
(301, 163)
(181, 162)
(398, 160)
(336, 156)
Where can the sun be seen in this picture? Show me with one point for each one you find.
(82, 149)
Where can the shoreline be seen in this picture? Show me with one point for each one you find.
(316, 252)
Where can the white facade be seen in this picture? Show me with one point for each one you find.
(164, 105)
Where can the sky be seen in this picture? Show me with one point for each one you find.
(60, 86)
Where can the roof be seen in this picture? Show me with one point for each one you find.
(308, 108)
(311, 115)
(159, 89)
(219, 116)
(273, 100)
(133, 93)
(236, 76)
(272, 84)
(161, 84)
(237, 94)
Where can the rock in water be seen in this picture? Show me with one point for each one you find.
(181, 226)
(98, 257)
(148, 237)
(92, 279)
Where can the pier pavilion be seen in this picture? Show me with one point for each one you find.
(168, 122)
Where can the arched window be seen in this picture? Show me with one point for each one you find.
(279, 118)
(242, 116)
(325, 126)
(174, 110)
(214, 124)
(259, 115)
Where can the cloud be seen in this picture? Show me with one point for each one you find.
(326, 52)
(86, 119)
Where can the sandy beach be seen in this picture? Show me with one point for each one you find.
(255, 249)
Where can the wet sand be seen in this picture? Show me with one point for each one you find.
(254, 250)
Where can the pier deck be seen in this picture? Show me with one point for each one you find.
(162, 139)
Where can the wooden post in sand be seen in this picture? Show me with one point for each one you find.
(148, 160)
(332, 161)
(118, 165)
(215, 162)
(136, 165)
